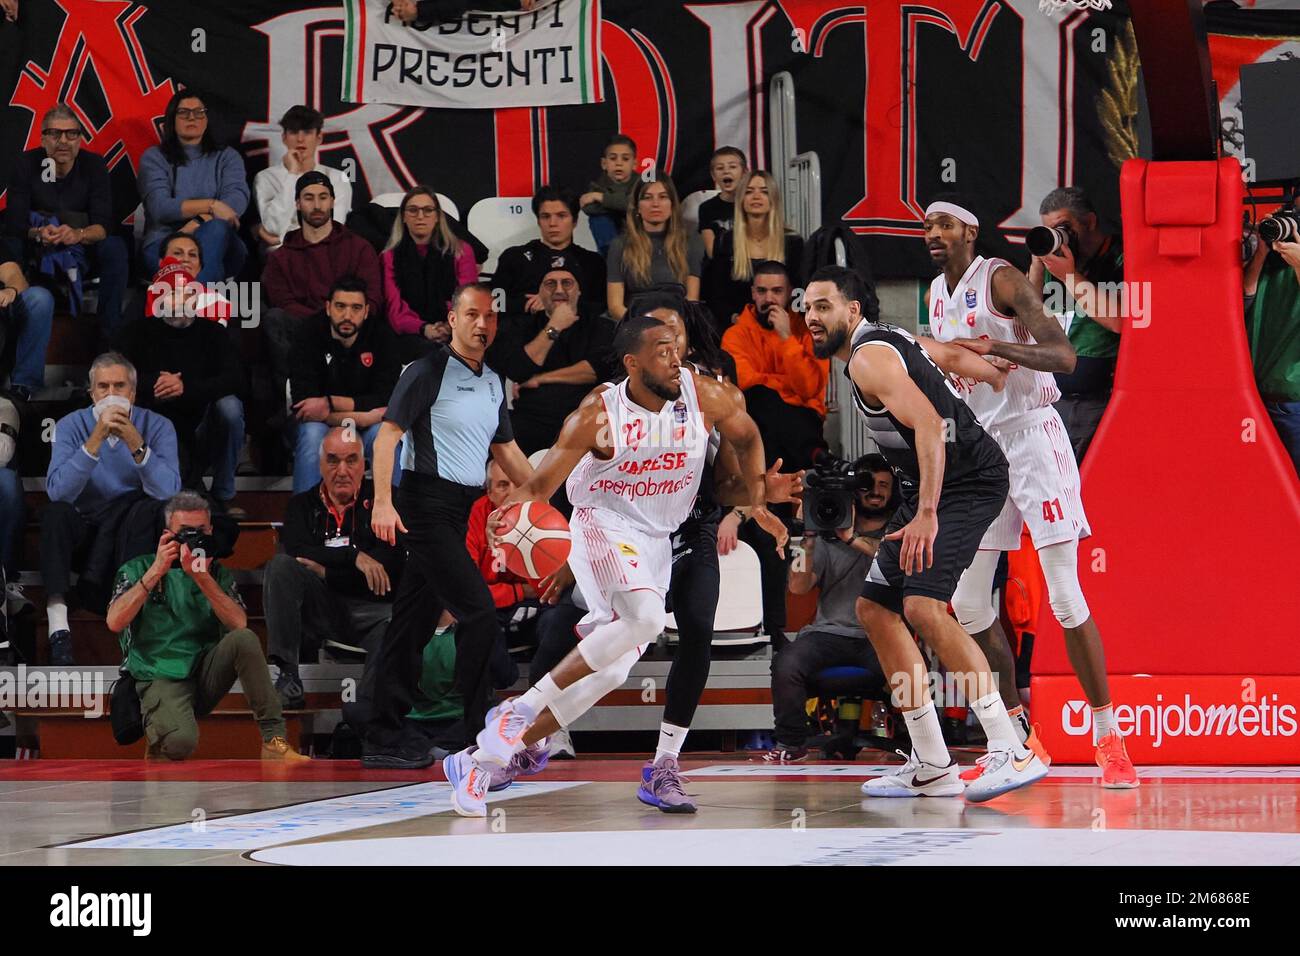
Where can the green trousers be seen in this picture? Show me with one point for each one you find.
(171, 707)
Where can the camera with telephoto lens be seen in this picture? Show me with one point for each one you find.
(1282, 226)
(1050, 240)
(829, 490)
(193, 538)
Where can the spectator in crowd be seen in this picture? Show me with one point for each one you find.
(656, 251)
(759, 234)
(334, 584)
(606, 201)
(112, 467)
(175, 286)
(344, 369)
(836, 566)
(185, 637)
(1070, 279)
(67, 215)
(190, 373)
(783, 381)
(727, 167)
(12, 510)
(1272, 287)
(520, 269)
(189, 183)
(423, 264)
(301, 132)
(26, 315)
(300, 274)
(554, 357)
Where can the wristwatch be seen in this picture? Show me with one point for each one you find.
(552, 333)
(139, 453)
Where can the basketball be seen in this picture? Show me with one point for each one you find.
(535, 539)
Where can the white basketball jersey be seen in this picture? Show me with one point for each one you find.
(968, 313)
(653, 476)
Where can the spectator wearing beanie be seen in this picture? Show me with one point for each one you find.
(520, 269)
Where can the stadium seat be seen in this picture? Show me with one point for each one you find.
(691, 207)
(501, 222)
(740, 601)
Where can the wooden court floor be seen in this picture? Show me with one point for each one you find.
(585, 812)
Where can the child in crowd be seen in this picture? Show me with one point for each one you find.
(605, 201)
(728, 167)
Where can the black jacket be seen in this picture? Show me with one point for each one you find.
(80, 199)
(365, 373)
(520, 271)
(308, 524)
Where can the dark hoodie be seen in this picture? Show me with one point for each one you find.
(299, 274)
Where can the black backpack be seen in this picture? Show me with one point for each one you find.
(835, 244)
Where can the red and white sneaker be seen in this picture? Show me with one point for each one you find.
(1034, 743)
(1117, 771)
(503, 735)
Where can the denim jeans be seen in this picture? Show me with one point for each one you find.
(603, 230)
(306, 452)
(11, 519)
(219, 244)
(33, 315)
(217, 443)
(1286, 419)
(109, 261)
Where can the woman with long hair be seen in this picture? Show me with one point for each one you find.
(758, 234)
(191, 184)
(656, 251)
(423, 264)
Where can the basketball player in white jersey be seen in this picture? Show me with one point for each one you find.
(989, 307)
(634, 455)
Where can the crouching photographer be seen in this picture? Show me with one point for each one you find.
(846, 509)
(185, 637)
(1272, 287)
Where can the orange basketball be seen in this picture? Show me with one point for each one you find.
(534, 541)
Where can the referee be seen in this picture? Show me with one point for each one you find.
(452, 410)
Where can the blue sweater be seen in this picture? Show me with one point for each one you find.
(91, 483)
(163, 187)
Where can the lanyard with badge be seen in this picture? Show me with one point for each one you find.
(339, 539)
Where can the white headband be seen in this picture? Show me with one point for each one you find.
(952, 209)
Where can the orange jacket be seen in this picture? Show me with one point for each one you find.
(787, 367)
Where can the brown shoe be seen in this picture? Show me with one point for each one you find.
(153, 753)
(277, 748)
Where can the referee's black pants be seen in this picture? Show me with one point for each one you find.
(693, 599)
(439, 574)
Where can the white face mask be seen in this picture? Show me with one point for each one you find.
(111, 401)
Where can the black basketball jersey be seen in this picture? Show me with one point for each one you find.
(972, 454)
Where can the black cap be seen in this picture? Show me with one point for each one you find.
(313, 178)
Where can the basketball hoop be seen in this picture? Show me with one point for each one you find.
(1052, 7)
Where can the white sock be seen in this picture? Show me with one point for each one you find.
(927, 735)
(671, 738)
(538, 697)
(992, 714)
(56, 612)
(1103, 722)
(1020, 722)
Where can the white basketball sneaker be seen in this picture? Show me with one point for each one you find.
(503, 735)
(1003, 772)
(916, 778)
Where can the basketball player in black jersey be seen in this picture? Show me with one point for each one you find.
(953, 479)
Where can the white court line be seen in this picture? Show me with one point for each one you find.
(863, 770)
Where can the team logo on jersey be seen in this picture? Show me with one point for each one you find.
(367, 359)
(970, 319)
(626, 550)
(970, 298)
(679, 420)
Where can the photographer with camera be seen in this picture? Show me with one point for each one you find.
(1272, 287)
(1072, 256)
(185, 637)
(846, 510)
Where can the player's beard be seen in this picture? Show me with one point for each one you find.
(668, 390)
(834, 341)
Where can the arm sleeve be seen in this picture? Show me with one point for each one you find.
(160, 475)
(401, 317)
(263, 196)
(466, 265)
(18, 201)
(509, 357)
(748, 365)
(232, 180)
(417, 389)
(505, 433)
(615, 198)
(278, 292)
(70, 466)
(367, 269)
(101, 195)
(614, 261)
(154, 181)
(509, 278)
(305, 374)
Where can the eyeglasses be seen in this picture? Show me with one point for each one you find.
(421, 210)
(67, 135)
(192, 114)
(550, 285)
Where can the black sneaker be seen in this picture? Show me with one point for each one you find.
(289, 687)
(61, 649)
(394, 759)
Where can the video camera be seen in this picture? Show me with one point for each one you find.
(829, 488)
